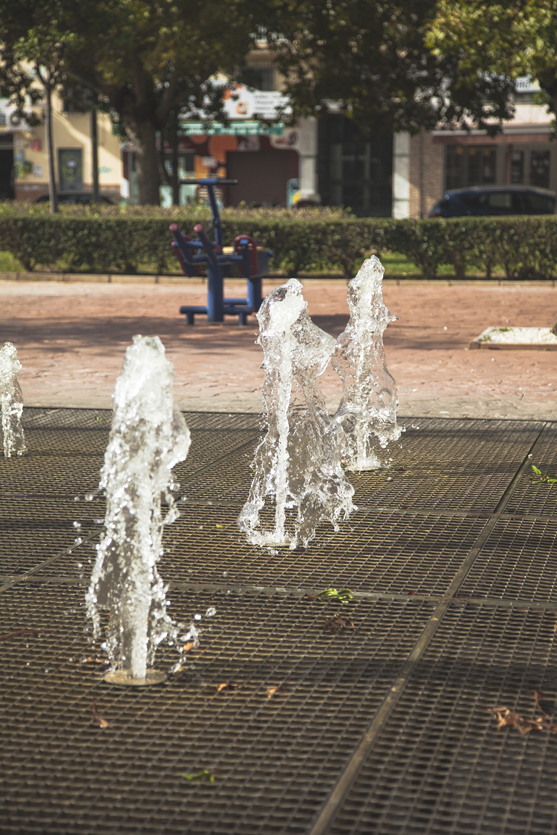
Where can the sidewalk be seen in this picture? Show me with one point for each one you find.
(71, 338)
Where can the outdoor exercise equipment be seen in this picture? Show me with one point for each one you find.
(245, 257)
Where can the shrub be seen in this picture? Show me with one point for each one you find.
(133, 239)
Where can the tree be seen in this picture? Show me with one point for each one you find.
(371, 60)
(149, 60)
(145, 61)
(34, 38)
(496, 43)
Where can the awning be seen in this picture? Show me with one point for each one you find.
(243, 128)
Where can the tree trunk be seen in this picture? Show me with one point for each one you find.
(175, 177)
(50, 148)
(147, 161)
(95, 155)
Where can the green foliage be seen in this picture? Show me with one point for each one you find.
(493, 43)
(114, 239)
(387, 78)
(540, 478)
(342, 596)
(205, 775)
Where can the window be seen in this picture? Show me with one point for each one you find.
(500, 200)
(540, 205)
(470, 165)
(517, 167)
(540, 162)
(70, 167)
(354, 169)
(260, 76)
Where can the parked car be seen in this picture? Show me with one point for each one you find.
(77, 197)
(495, 200)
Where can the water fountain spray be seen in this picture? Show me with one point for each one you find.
(298, 462)
(148, 437)
(12, 401)
(367, 411)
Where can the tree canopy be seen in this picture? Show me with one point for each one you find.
(406, 65)
(149, 59)
(495, 43)
(372, 59)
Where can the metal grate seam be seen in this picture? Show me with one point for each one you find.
(347, 778)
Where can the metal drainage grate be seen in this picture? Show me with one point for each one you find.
(388, 552)
(517, 562)
(539, 499)
(275, 753)
(402, 680)
(439, 765)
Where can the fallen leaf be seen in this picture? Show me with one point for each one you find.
(96, 719)
(272, 690)
(188, 646)
(229, 685)
(92, 660)
(204, 774)
(219, 526)
(507, 717)
(337, 624)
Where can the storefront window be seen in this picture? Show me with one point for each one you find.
(540, 168)
(354, 171)
(517, 167)
(470, 165)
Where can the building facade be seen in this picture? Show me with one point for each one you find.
(429, 164)
(24, 161)
(327, 161)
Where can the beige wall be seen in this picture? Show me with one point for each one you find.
(70, 130)
(427, 161)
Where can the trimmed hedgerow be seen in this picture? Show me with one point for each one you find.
(132, 240)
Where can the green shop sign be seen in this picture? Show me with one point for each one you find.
(244, 128)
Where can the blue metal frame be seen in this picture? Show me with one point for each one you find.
(204, 251)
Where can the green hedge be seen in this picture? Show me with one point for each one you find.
(134, 240)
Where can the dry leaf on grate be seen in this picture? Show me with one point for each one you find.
(281, 690)
(229, 685)
(98, 720)
(337, 625)
(506, 717)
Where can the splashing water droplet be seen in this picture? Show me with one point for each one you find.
(11, 399)
(298, 462)
(367, 411)
(148, 437)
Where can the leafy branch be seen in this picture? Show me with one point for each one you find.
(342, 596)
(540, 478)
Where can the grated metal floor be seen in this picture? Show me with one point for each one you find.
(380, 724)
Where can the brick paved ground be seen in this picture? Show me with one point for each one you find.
(71, 339)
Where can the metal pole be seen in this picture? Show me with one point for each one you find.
(95, 154)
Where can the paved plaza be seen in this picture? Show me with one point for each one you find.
(71, 338)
